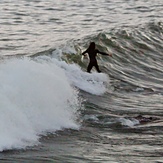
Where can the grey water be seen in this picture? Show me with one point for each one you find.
(132, 30)
(28, 27)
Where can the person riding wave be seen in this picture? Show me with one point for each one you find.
(92, 52)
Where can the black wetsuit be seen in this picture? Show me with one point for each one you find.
(92, 56)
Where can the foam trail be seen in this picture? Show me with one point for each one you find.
(94, 83)
(35, 98)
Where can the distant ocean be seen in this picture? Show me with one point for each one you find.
(52, 110)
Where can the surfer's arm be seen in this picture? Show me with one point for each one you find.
(84, 52)
(103, 53)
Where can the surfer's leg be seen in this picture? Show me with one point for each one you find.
(89, 67)
(97, 68)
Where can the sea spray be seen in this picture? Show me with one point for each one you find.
(36, 98)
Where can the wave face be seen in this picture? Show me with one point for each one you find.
(136, 64)
(35, 98)
(137, 55)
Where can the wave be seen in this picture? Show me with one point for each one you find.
(137, 55)
(136, 63)
(40, 94)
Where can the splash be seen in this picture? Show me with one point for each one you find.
(35, 98)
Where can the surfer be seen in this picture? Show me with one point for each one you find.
(92, 52)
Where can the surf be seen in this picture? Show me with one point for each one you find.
(36, 98)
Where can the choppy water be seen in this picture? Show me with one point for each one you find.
(52, 110)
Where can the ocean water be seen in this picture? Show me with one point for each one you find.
(52, 110)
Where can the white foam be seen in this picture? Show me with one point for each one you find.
(128, 122)
(94, 83)
(35, 98)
